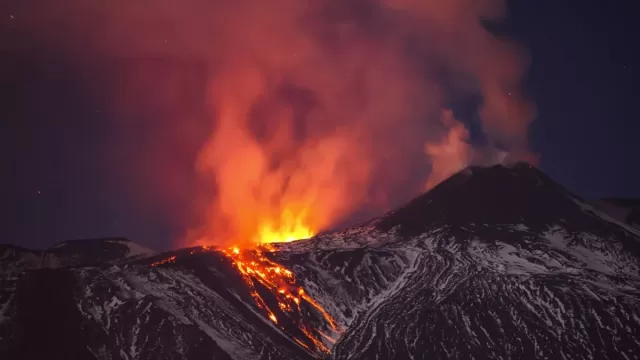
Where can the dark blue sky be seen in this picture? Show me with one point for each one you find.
(60, 181)
(584, 77)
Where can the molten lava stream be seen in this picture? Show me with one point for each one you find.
(168, 260)
(256, 268)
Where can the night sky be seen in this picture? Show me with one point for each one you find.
(64, 176)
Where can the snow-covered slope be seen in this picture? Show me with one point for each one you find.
(19, 266)
(494, 263)
(510, 266)
(144, 313)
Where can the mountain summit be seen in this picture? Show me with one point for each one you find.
(493, 263)
(489, 196)
(483, 199)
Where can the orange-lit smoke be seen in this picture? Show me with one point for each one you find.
(450, 155)
(310, 168)
(319, 108)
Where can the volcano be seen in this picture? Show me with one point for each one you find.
(493, 263)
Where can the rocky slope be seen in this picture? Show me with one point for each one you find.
(626, 210)
(494, 263)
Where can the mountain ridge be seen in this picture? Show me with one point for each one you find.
(493, 263)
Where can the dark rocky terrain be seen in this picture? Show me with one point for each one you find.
(625, 210)
(493, 263)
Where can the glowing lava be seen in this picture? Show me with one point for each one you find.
(290, 228)
(287, 298)
(256, 268)
(168, 260)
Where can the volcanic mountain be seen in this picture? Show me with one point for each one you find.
(493, 263)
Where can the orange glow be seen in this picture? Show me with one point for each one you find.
(272, 188)
(287, 232)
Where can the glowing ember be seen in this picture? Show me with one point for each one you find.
(199, 250)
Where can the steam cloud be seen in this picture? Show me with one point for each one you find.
(320, 108)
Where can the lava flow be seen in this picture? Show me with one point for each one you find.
(273, 287)
(256, 268)
(168, 260)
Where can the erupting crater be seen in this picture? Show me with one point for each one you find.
(275, 289)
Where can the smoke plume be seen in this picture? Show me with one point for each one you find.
(317, 108)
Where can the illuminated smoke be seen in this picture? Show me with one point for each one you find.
(450, 155)
(318, 108)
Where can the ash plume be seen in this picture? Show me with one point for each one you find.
(317, 108)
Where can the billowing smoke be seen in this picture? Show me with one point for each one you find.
(451, 154)
(320, 108)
